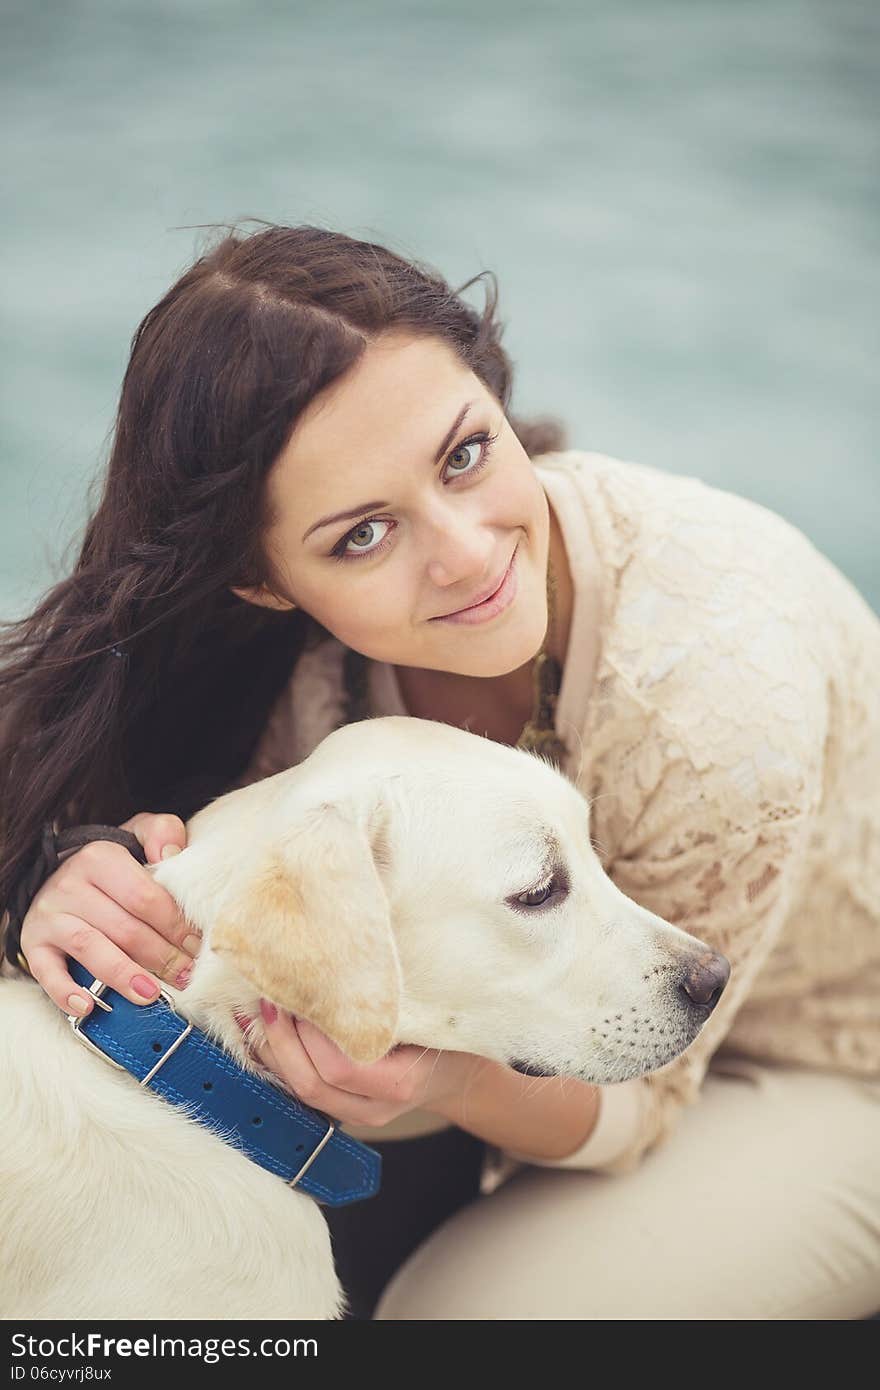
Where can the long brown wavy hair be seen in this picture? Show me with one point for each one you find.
(141, 682)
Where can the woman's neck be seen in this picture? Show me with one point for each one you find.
(497, 706)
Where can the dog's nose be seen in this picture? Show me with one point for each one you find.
(705, 979)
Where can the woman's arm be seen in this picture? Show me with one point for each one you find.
(553, 1121)
(546, 1117)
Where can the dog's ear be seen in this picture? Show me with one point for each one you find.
(312, 931)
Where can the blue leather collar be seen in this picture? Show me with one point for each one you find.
(278, 1132)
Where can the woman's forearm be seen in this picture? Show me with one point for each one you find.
(547, 1117)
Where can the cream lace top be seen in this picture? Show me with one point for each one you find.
(721, 704)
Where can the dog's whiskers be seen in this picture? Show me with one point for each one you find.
(534, 1084)
(440, 1052)
(475, 1071)
(416, 1063)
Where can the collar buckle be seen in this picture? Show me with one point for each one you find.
(96, 989)
(349, 1171)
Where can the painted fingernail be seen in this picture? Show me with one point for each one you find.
(192, 944)
(76, 1004)
(144, 987)
(243, 1021)
(183, 979)
(269, 1011)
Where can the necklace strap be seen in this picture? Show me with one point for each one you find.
(539, 733)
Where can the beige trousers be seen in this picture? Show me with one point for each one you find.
(763, 1204)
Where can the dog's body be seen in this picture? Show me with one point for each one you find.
(407, 883)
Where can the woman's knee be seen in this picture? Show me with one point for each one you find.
(763, 1204)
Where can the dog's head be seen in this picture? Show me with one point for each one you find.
(412, 883)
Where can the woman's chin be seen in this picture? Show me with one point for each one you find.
(506, 654)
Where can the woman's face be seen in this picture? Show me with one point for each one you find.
(435, 503)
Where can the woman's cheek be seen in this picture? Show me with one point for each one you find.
(519, 499)
(375, 618)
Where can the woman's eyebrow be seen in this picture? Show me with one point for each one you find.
(374, 506)
(344, 516)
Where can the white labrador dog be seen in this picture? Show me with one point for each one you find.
(407, 883)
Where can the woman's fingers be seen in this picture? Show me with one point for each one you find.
(112, 870)
(375, 1079)
(144, 946)
(284, 1053)
(105, 961)
(406, 1077)
(155, 831)
(342, 1106)
(103, 909)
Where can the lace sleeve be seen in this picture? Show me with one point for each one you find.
(732, 891)
(745, 899)
(710, 746)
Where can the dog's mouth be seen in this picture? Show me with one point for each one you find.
(530, 1069)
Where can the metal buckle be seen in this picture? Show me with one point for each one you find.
(292, 1182)
(96, 989)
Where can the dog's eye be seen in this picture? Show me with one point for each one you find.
(536, 896)
(550, 893)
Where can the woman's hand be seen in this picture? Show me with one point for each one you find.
(322, 1076)
(547, 1119)
(103, 909)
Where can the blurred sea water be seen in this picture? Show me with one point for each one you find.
(679, 200)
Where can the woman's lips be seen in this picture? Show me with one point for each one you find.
(490, 607)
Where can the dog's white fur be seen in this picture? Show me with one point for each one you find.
(371, 889)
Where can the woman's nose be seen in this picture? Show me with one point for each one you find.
(460, 553)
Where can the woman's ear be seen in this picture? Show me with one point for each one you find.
(312, 931)
(263, 598)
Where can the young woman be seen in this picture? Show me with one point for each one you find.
(319, 507)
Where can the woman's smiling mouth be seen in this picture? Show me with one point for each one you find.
(497, 601)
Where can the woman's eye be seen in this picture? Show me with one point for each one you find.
(362, 538)
(535, 896)
(465, 449)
